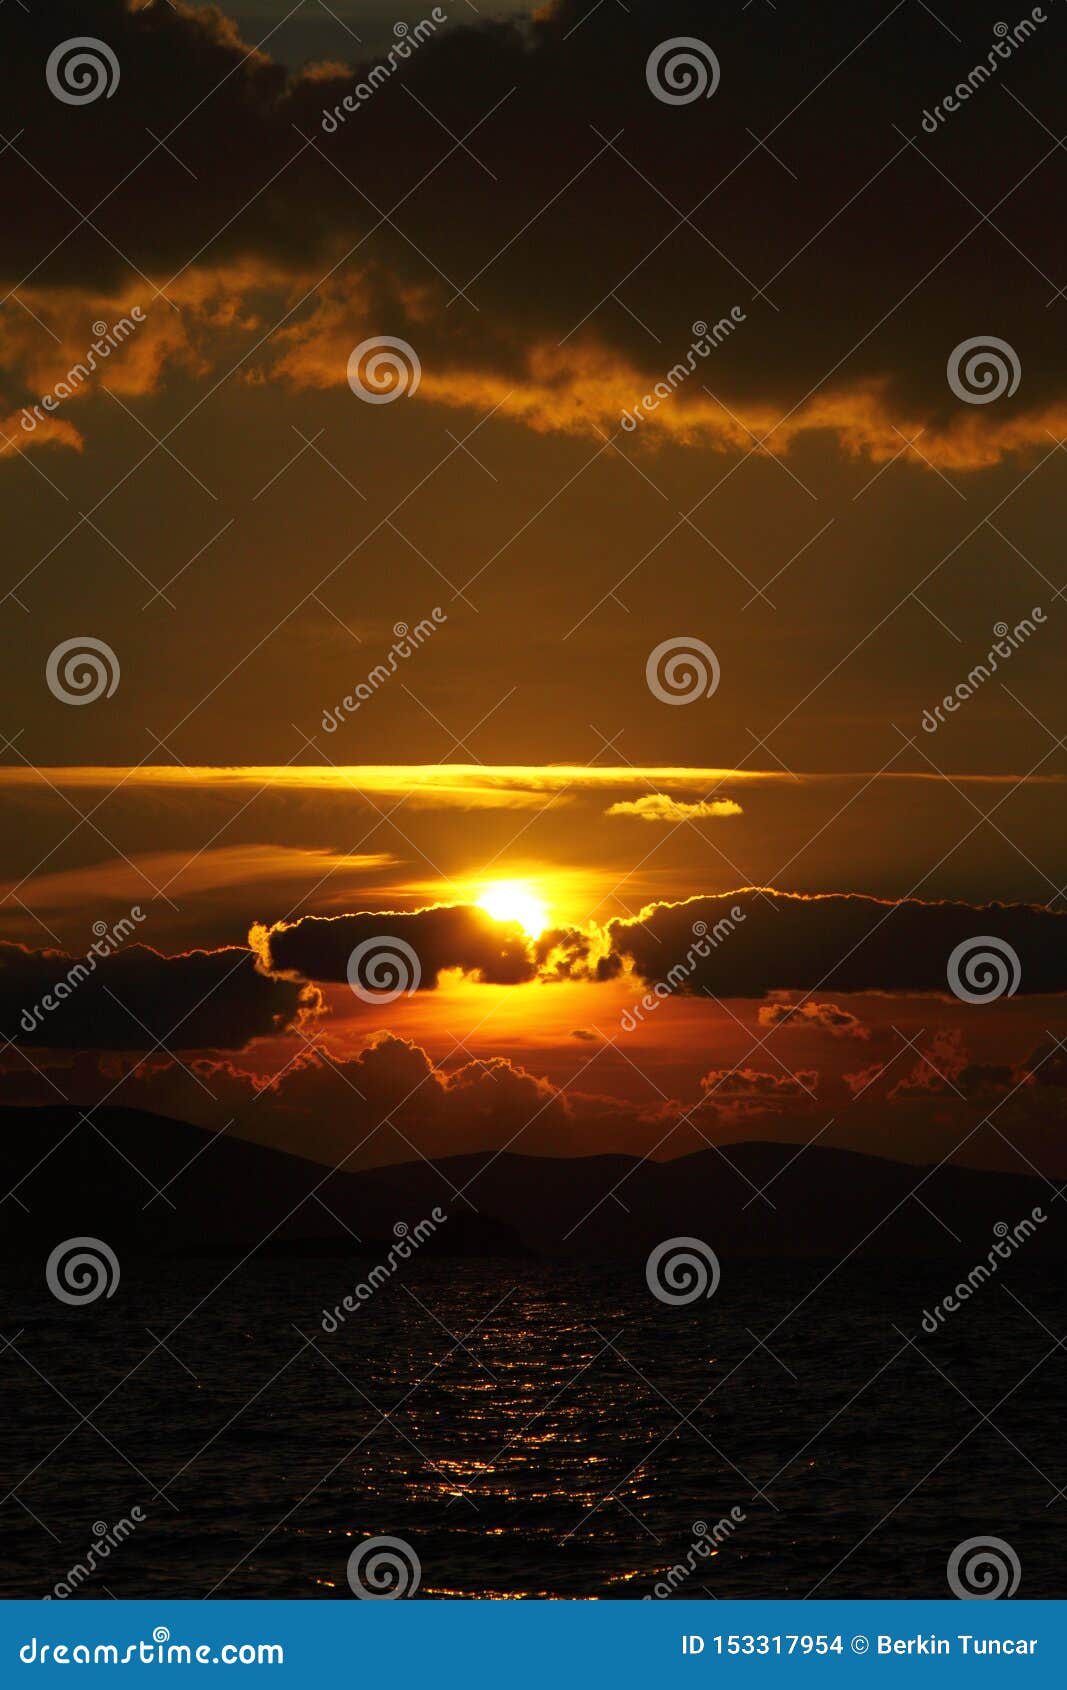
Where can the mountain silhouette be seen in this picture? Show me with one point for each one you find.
(152, 1185)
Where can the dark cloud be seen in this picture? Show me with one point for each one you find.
(986, 1080)
(937, 1071)
(1045, 1066)
(202, 1000)
(853, 244)
(737, 1096)
(821, 1017)
(389, 1102)
(374, 1106)
(942, 1071)
(749, 943)
(569, 953)
(447, 936)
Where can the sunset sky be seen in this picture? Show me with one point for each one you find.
(511, 793)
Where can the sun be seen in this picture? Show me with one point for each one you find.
(514, 900)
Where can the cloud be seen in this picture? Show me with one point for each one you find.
(440, 937)
(592, 219)
(1045, 1066)
(390, 1102)
(821, 1017)
(937, 1070)
(659, 807)
(386, 1103)
(464, 786)
(66, 345)
(744, 1094)
(752, 942)
(445, 936)
(574, 953)
(942, 1071)
(134, 997)
(217, 869)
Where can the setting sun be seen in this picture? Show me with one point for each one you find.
(513, 900)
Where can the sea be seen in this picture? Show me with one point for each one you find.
(515, 1429)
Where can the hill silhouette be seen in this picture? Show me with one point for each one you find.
(153, 1185)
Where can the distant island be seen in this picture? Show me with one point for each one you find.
(149, 1185)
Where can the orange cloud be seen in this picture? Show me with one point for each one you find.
(659, 807)
(854, 347)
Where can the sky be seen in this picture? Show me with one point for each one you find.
(719, 441)
(350, 30)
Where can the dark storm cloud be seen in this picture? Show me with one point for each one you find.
(858, 263)
(135, 997)
(318, 947)
(839, 942)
